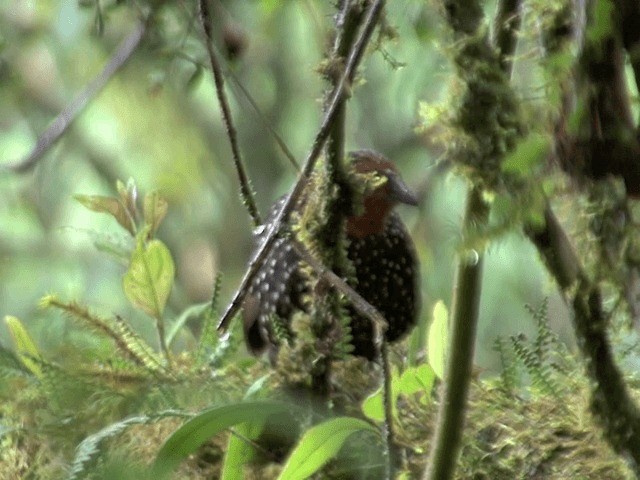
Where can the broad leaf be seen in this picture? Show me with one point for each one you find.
(190, 436)
(417, 380)
(320, 444)
(148, 281)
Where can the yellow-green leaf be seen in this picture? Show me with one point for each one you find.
(26, 348)
(319, 445)
(155, 209)
(438, 338)
(110, 205)
(417, 379)
(148, 281)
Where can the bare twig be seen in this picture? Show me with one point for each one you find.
(65, 118)
(245, 188)
(339, 92)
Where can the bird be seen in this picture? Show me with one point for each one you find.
(384, 259)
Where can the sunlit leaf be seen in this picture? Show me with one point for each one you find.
(110, 205)
(190, 436)
(438, 338)
(148, 281)
(239, 451)
(320, 444)
(155, 209)
(373, 407)
(26, 348)
(417, 379)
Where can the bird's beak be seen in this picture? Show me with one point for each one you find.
(400, 191)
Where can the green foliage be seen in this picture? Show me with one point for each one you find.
(418, 380)
(320, 444)
(205, 425)
(438, 340)
(90, 448)
(148, 281)
(25, 346)
(542, 359)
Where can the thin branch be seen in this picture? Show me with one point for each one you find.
(464, 18)
(339, 93)
(66, 117)
(245, 188)
(464, 312)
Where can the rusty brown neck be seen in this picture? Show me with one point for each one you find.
(376, 209)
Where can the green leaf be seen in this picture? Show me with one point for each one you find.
(417, 379)
(239, 451)
(155, 209)
(320, 444)
(26, 348)
(528, 154)
(373, 407)
(110, 205)
(438, 338)
(195, 432)
(148, 281)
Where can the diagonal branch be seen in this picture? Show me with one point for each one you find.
(245, 188)
(339, 92)
(66, 117)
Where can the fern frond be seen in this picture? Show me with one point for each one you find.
(134, 347)
(208, 338)
(127, 341)
(89, 450)
(509, 373)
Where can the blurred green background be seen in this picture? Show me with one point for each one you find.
(158, 122)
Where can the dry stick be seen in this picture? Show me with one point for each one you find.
(65, 118)
(338, 94)
(468, 281)
(245, 188)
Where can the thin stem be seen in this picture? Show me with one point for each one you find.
(245, 188)
(69, 113)
(465, 311)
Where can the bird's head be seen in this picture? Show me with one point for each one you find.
(384, 189)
